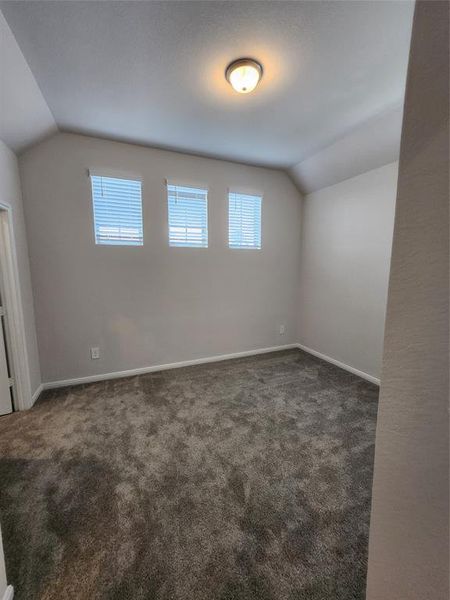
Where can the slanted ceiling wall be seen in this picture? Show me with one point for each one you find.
(25, 117)
(154, 305)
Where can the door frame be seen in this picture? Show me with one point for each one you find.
(14, 310)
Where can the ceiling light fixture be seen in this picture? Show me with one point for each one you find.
(244, 75)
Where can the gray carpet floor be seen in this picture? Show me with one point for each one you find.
(247, 479)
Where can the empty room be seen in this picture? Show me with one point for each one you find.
(224, 300)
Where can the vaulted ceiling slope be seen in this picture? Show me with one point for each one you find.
(153, 72)
(372, 144)
(25, 117)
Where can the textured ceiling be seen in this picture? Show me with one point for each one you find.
(153, 72)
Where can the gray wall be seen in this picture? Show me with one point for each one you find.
(154, 304)
(10, 193)
(345, 253)
(408, 554)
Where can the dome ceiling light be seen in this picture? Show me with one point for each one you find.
(244, 75)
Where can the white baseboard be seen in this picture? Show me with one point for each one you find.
(198, 361)
(340, 364)
(9, 593)
(141, 371)
(37, 393)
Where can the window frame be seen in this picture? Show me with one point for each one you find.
(194, 186)
(121, 176)
(256, 194)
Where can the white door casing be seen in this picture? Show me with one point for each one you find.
(5, 381)
(12, 303)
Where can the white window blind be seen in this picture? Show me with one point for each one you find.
(188, 216)
(117, 205)
(244, 221)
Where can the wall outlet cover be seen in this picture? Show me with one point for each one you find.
(95, 353)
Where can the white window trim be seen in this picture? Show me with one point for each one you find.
(197, 186)
(201, 185)
(115, 174)
(245, 192)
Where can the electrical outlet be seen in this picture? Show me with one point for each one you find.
(95, 353)
(282, 329)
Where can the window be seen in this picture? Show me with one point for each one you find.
(117, 205)
(188, 216)
(244, 221)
